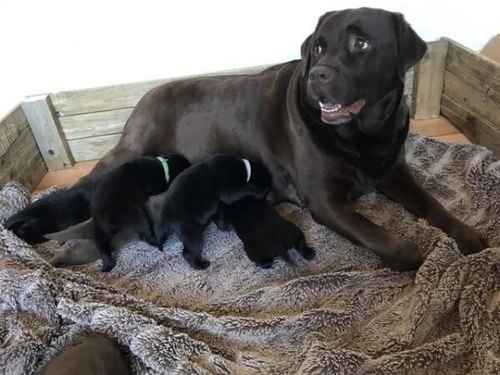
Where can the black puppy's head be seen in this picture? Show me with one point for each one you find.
(28, 225)
(44, 215)
(260, 180)
(177, 163)
(354, 58)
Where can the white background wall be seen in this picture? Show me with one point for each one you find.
(51, 45)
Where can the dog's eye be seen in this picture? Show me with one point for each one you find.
(318, 49)
(359, 44)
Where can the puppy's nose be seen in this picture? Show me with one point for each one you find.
(321, 74)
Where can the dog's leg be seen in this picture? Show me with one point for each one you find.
(105, 247)
(82, 253)
(145, 226)
(221, 220)
(191, 236)
(335, 211)
(307, 252)
(401, 187)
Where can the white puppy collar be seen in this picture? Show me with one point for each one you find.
(248, 168)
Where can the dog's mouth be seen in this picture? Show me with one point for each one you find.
(335, 114)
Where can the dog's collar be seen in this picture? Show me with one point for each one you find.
(166, 169)
(248, 168)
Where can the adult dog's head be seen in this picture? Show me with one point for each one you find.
(354, 60)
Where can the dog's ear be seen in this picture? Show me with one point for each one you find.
(80, 231)
(380, 113)
(305, 53)
(410, 47)
(305, 49)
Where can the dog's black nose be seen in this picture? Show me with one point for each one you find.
(321, 74)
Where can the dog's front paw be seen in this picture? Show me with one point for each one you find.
(265, 264)
(200, 264)
(469, 240)
(108, 263)
(308, 253)
(197, 262)
(56, 260)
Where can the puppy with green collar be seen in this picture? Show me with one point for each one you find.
(118, 201)
(194, 198)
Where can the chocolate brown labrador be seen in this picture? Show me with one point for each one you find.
(329, 127)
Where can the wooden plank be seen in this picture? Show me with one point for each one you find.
(471, 99)
(112, 122)
(408, 89)
(93, 148)
(95, 124)
(428, 84)
(478, 71)
(475, 128)
(32, 172)
(11, 127)
(66, 177)
(454, 138)
(120, 96)
(47, 132)
(433, 127)
(23, 162)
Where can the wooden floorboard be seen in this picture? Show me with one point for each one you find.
(439, 128)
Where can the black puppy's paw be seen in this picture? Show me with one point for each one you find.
(200, 264)
(264, 264)
(108, 263)
(197, 262)
(308, 253)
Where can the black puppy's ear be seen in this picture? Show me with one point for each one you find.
(305, 49)
(410, 47)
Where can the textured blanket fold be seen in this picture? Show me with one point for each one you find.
(342, 313)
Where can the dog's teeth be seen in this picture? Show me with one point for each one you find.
(329, 108)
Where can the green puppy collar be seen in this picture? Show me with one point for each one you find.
(164, 164)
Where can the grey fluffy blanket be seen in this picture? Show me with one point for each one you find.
(343, 313)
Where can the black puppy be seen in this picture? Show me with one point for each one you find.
(264, 233)
(53, 212)
(118, 202)
(195, 195)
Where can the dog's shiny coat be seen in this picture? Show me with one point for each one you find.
(328, 127)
